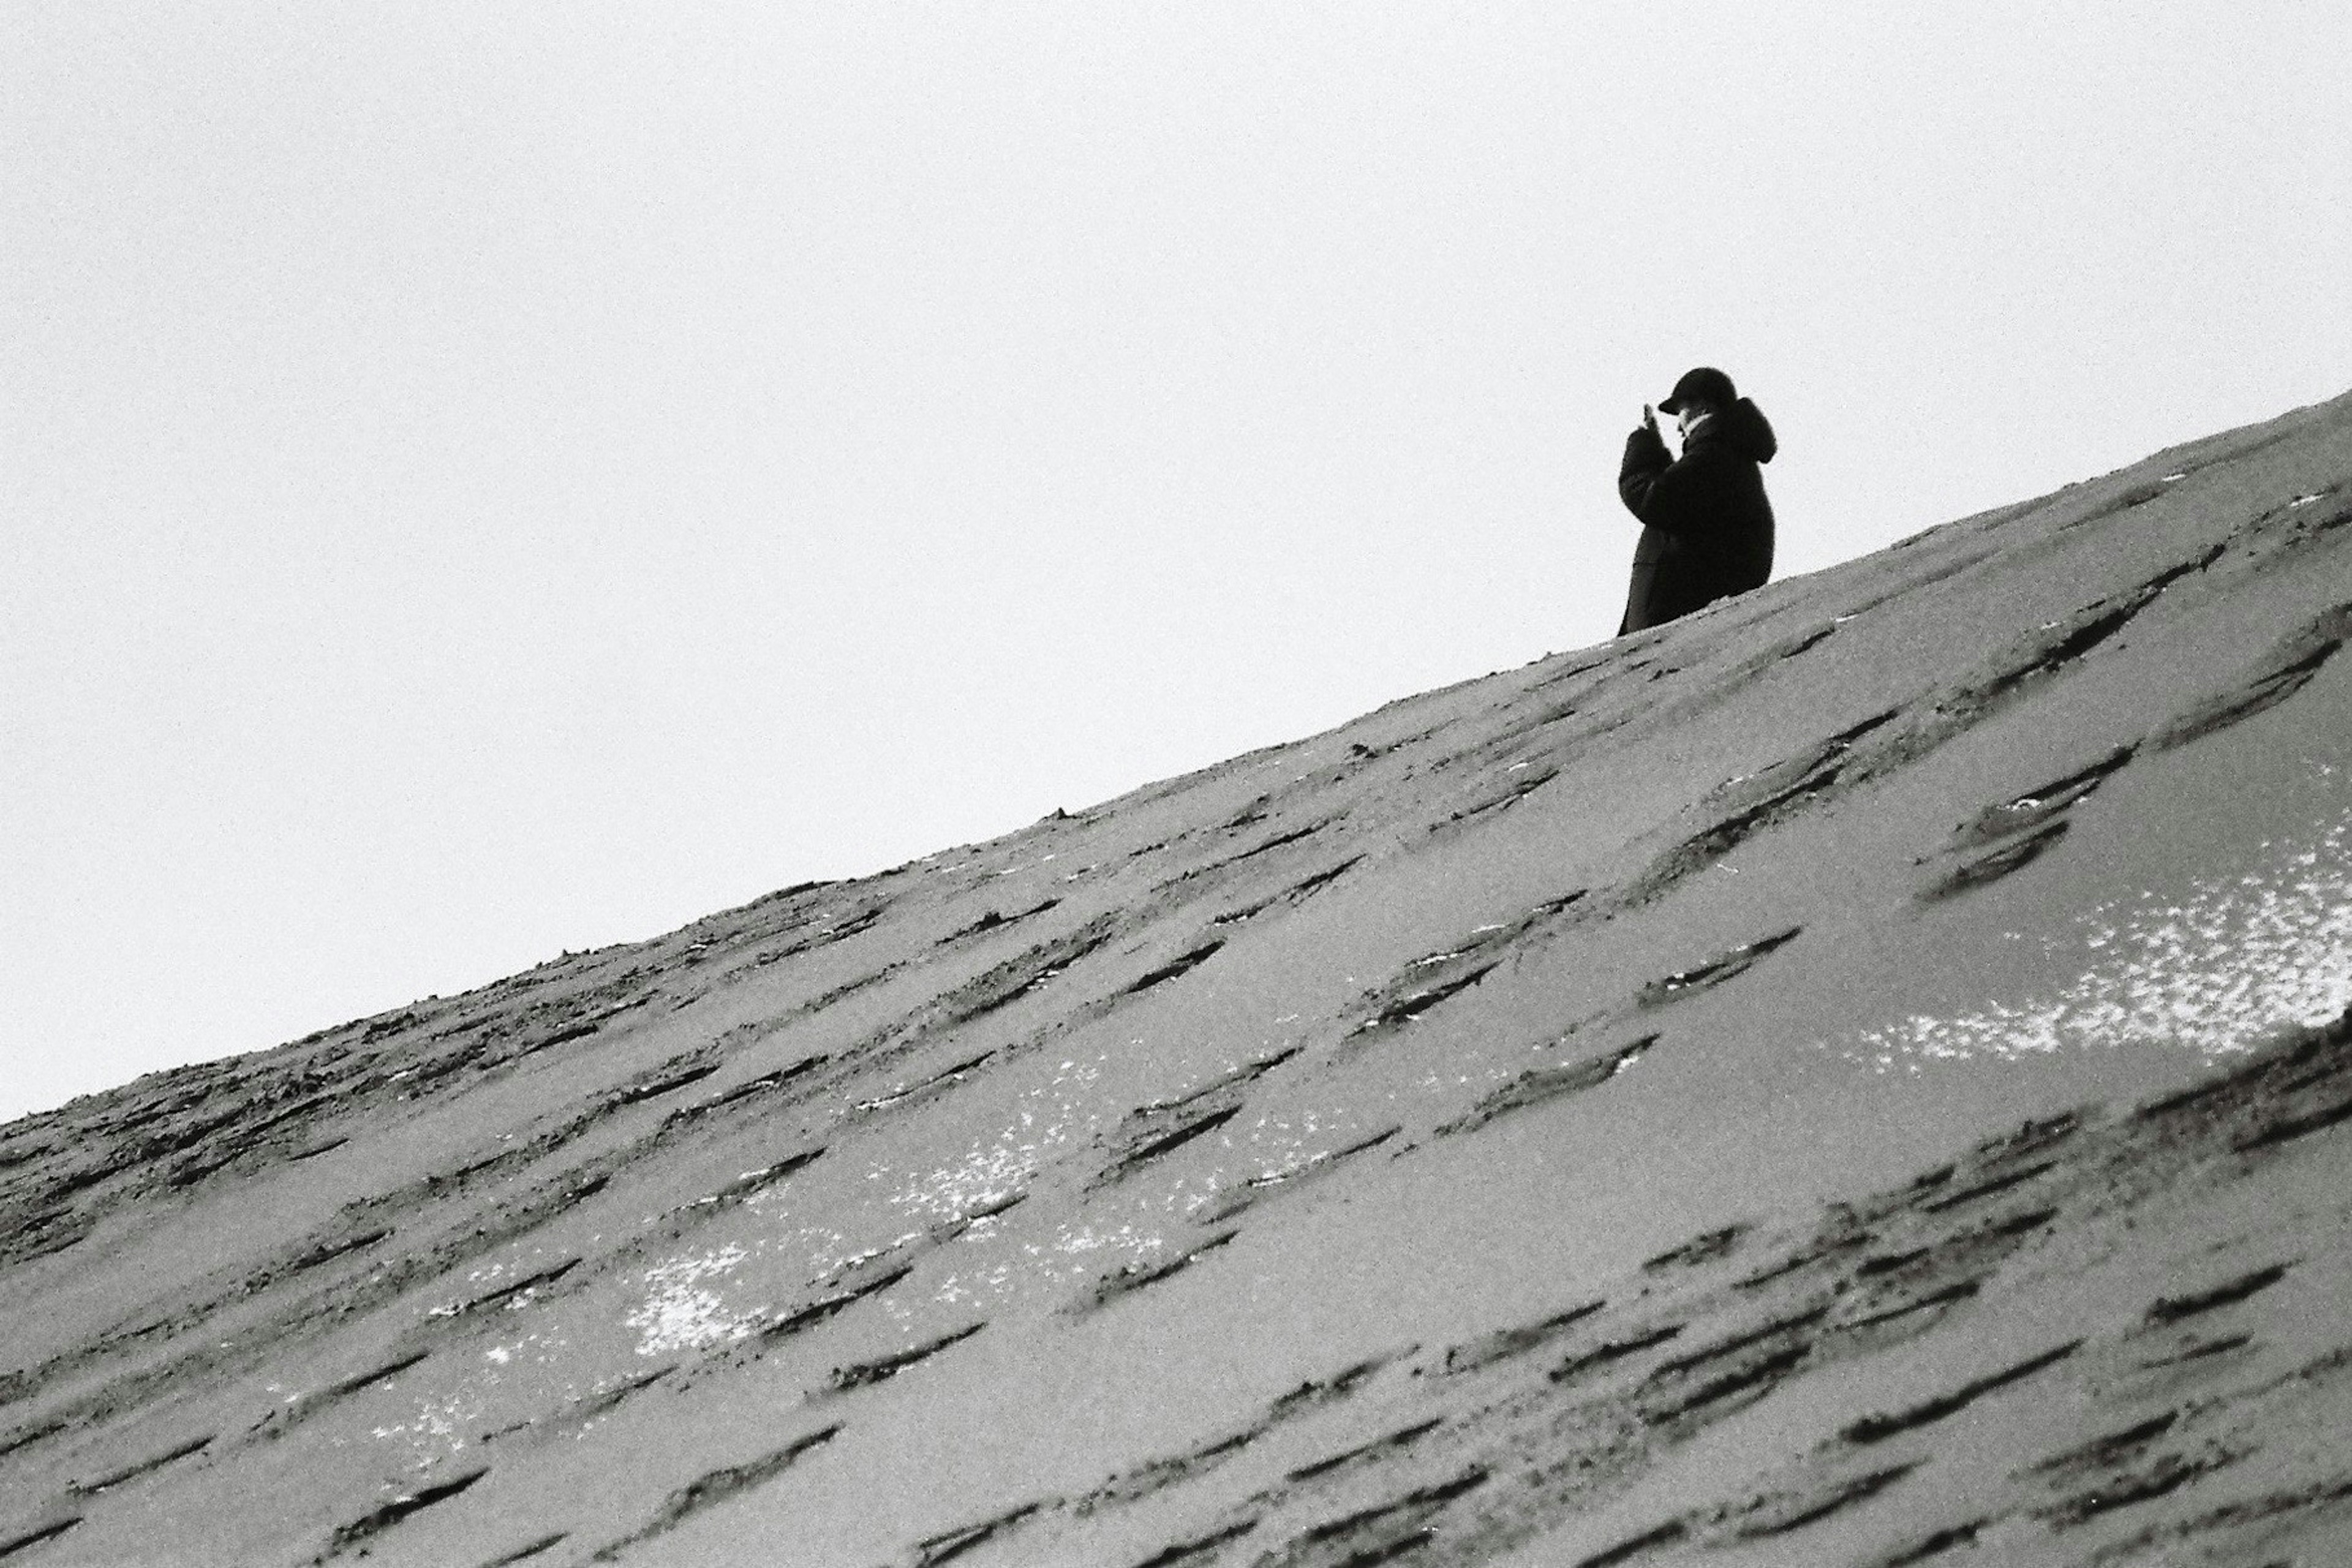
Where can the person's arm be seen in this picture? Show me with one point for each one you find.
(1646, 458)
(1670, 496)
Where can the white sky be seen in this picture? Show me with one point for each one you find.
(482, 479)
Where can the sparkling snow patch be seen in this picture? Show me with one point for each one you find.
(2228, 965)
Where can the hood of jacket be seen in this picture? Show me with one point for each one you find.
(1743, 428)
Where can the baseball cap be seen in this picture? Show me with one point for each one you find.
(1706, 384)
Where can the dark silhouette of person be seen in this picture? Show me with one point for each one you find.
(1706, 528)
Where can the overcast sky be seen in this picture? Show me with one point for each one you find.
(481, 479)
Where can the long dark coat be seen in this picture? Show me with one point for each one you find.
(1706, 528)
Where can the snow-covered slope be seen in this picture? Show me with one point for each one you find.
(1858, 1076)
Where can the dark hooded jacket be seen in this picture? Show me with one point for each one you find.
(1706, 528)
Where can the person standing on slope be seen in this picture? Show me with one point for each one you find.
(1706, 528)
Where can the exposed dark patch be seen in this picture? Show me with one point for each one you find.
(507, 1159)
(2173, 1309)
(1390, 1549)
(2020, 1222)
(1950, 1295)
(2030, 1136)
(1429, 981)
(2285, 670)
(132, 1471)
(1752, 1382)
(1404, 1008)
(28, 1245)
(2169, 1474)
(795, 890)
(24, 1438)
(525, 1552)
(1518, 1340)
(2107, 1451)
(80, 1179)
(559, 1038)
(945, 1079)
(507, 1294)
(1133, 1276)
(1929, 1180)
(318, 1254)
(715, 1487)
(1379, 1447)
(1761, 801)
(1934, 1545)
(1569, 672)
(811, 1313)
(2259, 1510)
(1278, 841)
(1539, 1085)
(1182, 964)
(1704, 1247)
(1389, 1522)
(1799, 643)
(1219, 1087)
(1234, 1201)
(304, 1407)
(2039, 805)
(948, 1545)
(1322, 1391)
(588, 1407)
(1301, 891)
(993, 1207)
(1987, 1188)
(996, 921)
(2138, 494)
(2066, 641)
(1164, 1141)
(189, 1173)
(1720, 1349)
(883, 1368)
(1611, 1350)
(1821, 1251)
(1507, 740)
(1009, 981)
(1503, 799)
(1666, 1534)
(1888, 1262)
(766, 1176)
(667, 1078)
(1716, 970)
(29, 1539)
(1796, 1514)
(825, 936)
(1200, 1546)
(1994, 864)
(1150, 1132)
(2199, 1349)
(391, 1024)
(1159, 1475)
(1877, 1429)
(766, 1083)
(408, 1504)
(2286, 1128)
